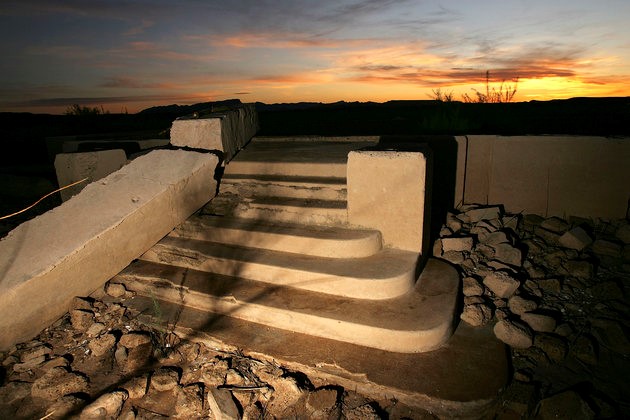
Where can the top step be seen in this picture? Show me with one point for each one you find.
(298, 158)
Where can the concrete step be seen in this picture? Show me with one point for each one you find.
(299, 158)
(418, 321)
(281, 209)
(384, 275)
(322, 188)
(308, 240)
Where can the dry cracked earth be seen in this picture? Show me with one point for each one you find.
(553, 290)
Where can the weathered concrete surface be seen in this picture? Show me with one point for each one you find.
(225, 131)
(73, 167)
(548, 175)
(73, 249)
(461, 379)
(415, 322)
(387, 192)
(320, 241)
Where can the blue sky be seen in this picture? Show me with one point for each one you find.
(129, 55)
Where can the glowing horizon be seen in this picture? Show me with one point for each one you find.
(128, 56)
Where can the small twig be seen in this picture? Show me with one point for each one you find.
(243, 388)
(38, 201)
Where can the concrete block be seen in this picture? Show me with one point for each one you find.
(387, 191)
(75, 248)
(73, 167)
(226, 132)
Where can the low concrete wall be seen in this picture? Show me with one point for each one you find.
(226, 132)
(73, 144)
(76, 247)
(546, 175)
(73, 167)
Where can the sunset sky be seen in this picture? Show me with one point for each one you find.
(130, 55)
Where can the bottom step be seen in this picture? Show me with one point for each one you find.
(462, 379)
(418, 321)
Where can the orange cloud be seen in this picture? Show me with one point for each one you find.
(280, 40)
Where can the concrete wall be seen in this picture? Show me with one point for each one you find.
(73, 167)
(546, 175)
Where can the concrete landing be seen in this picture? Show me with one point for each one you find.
(418, 321)
(317, 241)
(306, 159)
(461, 379)
(384, 275)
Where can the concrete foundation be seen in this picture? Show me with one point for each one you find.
(75, 248)
(225, 132)
(73, 167)
(386, 192)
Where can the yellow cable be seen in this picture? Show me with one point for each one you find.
(38, 201)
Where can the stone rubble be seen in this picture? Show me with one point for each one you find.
(556, 292)
(131, 369)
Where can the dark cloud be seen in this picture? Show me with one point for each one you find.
(104, 100)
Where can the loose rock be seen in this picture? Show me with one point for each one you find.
(58, 382)
(623, 233)
(555, 224)
(501, 284)
(513, 334)
(539, 322)
(164, 379)
(519, 305)
(476, 315)
(105, 407)
(508, 254)
(222, 405)
(566, 405)
(576, 238)
(81, 319)
(189, 402)
(471, 287)
(321, 402)
(115, 289)
(555, 347)
(457, 244)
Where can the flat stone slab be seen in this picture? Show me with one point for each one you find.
(461, 379)
(76, 247)
(225, 132)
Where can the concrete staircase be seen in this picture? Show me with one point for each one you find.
(275, 248)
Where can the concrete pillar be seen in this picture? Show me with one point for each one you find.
(387, 190)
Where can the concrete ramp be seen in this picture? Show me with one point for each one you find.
(76, 247)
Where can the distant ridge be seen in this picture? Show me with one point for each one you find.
(189, 109)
